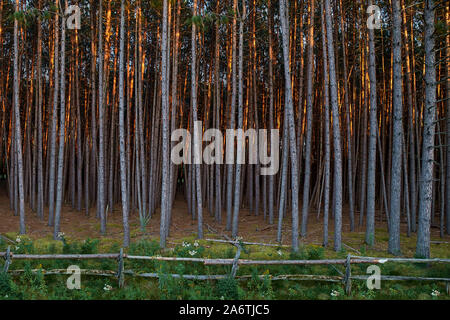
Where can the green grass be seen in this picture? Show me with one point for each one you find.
(37, 286)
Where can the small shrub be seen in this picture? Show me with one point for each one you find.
(8, 289)
(89, 246)
(227, 289)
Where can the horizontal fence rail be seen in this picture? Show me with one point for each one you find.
(354, 259)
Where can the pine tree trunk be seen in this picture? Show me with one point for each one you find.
(240, 143)
(51, 187)
(123, 166)
(40, 178)
(371, 174)
(309, 114)
(337, 191)
(447, 205)
(101, 143)
(17, 127)
(165, 129)
(284, 13)
(62, 131)
(230, 167)
(327, 130)
(197, 133)
(429, 119)
(396, 171)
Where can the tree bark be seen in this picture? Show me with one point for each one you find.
(396, 167)
(428, 146)
(371, 177)
(336, 134)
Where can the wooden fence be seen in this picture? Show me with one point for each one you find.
(344, 278)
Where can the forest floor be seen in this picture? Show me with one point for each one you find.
(77, 226)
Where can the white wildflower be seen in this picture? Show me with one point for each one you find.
(192, 252)
(222, 298)
(334, 293)
(61, 235)
(435, 293)
(196, 244)
(280, 253)
(18, 239)
(107, 287)
(186, 244)
(17, 248)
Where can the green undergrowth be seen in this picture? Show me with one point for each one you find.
(32, 284)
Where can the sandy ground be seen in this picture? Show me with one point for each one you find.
(77, 225)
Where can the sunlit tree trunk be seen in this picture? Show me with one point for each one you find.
(17, 127)
(284, 13)
(123, 166)
(309, 114)
(40, 177)
(337, 190)
(351, 199)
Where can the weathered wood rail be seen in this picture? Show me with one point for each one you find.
(346, 278)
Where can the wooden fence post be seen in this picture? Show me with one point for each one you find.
(236, 262)
(120, 273)
(7, 259)
(348, 274)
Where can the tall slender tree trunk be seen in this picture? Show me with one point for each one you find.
(123, 165)
(232, 121)
(17, 127)
(240, 156)
(429, 119)
(197, 133)
(101, 144)
(165, 129)
(284, 13)
(396, 171)
(218, 204)
(309, 114)
(411, 107)
(271, 110)
(40, 178)
(351, 198)
(62, 133)
(336, 134)
(51, 188)
(371, 178)
(447, 15)
(326, 98)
